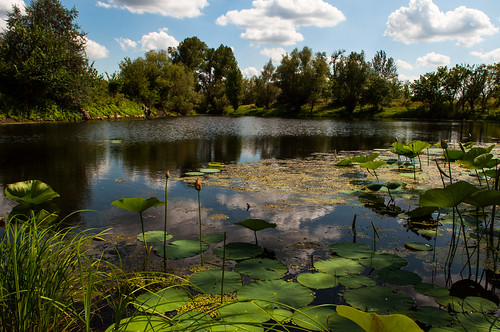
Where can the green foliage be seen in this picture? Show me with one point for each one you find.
(378, 323)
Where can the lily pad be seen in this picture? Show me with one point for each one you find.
(141, 323)
(210, 281)
(431, 290)
(212, 238)
(243, 312)
(356, 281)
(181, 249)
(398, 277)
(477, 322)
(339, 266)
(277, 291)
(194, 173)
(137, 204)
(165, 300)
(383, 260)
(31, 191)
(256, 224)
(153, 236)
(379, 299)
(337, 322)
(239, 250)
(209, 170)
(318, 280)
(373, 322)
(433, 316)
(448, 197)
(477, 304)
(351, 250)
(313, 318)
(262, 268)
(418, 246)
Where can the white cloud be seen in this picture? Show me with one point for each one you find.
(403, 65)
(485, 56)
(250, 72)
(277, 21)
(433, 60)
(275, 54)
(172, 8)
(95, 50)
(6, 7)
(152, 41)
(423, 21)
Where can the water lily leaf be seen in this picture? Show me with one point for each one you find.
(418, 246)
(339, 266)
(379, 299)
(476, 304)
(417, 146)
(243, 312)
(280, 315)
(239, 250)
(453, 155)
(356, 281)
(317, 280)
(279, 291)
(432, 290)
(165, 300)
(477, 322)
(448, 197)
(256, 224)
(483, 198)
(137, 204)
(209, 170)
(337, 322)
(194, 173)
(212, 238)
(394, 185)
(181, 249)
(373, 164)
(31, 191)
(344, 162)
(233, 327)
(147, 323)
(366, 158)
(262, 268)
(433, 316)
(210, 281)
(432, 233)
(422, 211)
(351, 250)
(384, 260)
(374, 322)
(189, 321)
(153, 236)
(398, 277)
(374, 186)
(313, 318)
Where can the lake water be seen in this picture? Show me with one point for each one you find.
(91, 164)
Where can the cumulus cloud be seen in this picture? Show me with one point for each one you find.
(172, 8)
(95, 50)
(155, 40)
(403, 65)
(423, 21)
(485, 56)
(250, 72)
(433, 60)
(277, 21)
(6, 7)
(275, 54)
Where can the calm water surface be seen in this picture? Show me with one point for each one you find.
(94, 163)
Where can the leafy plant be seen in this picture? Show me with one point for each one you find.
(256, 225)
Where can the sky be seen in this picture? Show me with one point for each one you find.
(419, 35)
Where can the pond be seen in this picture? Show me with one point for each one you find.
(92, 164)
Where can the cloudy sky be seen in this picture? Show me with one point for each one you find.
(419, 34)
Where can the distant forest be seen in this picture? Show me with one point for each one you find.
(46, 75)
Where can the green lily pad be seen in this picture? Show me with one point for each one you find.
(477, 322)
(318, 280)
(234, 327)
(189, 321)
(153, 236)
(356, 281)
(337, 322)
(434, 316)
(339, 266)
(279, 291)
(448, 197)
(141, 323)
(165, 300)
(243, 312)
(431, 290)
(239, 250)
(419, 246)
(432, 233)
(398, 277)
(194, 173)
(212, 238)
(31, 191)
(209, 170)
(378, 299)
(280, 315)
(351, 250)
(477, 304)
(384, 260)
(137, 204)
(313, 318)
(181, 249)
(210, 281)
(262, 268)
(373, 322)
(256, 224)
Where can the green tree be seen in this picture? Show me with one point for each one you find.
(42, 57)
(191, 52)
(452, 83)
(266, 89)
(385, 67)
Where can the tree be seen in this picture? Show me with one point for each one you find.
(266, 89)
(383, 66)
(42, 57)
(191, 52)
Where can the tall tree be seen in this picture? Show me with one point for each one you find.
(384, 66)
(266, 89)
(42, 56)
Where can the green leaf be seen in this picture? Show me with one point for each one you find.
(256, 224)
(239, 250)
(374, 322)
(337, 322)
(434, 316)
(351, 250)
(477, 322)
(398, 277)
(379, 299)
(210, 281)
(165, 300)
(339, 266)
(418, 146)
(365, 159)
(153, 236)
(374, 186)
(137, 204)
(317, 280)
(31, 191)
(356, 281)
(140, 324)
(344, 162)
(243, 312)
(431, 290)
(448, 197)
(313, 318)
(418, 246)
(212, 238)
(181, 249)
(453, 155)
(483, 198)
(373, 164)
(279, 291)
(384, 260)
(262, 268)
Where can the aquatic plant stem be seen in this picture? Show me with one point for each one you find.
(223, 269)
(167, 175)
(145, 243)
(199, 221)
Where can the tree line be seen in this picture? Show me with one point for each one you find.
(43, 66)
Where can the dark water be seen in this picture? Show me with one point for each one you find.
(94, 163)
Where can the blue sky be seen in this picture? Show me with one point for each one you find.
(419, 34)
